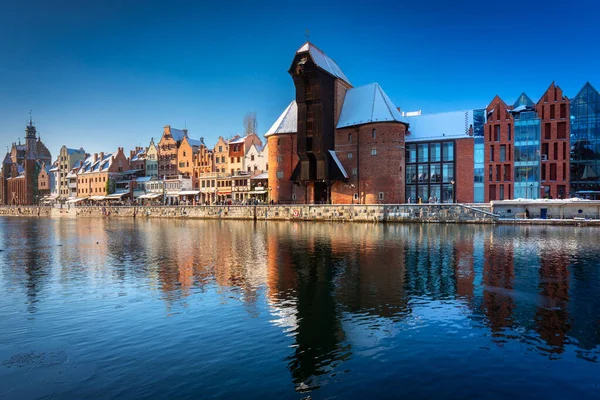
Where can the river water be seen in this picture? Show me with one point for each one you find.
(97, 308)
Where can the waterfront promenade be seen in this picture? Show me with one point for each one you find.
(546, 213)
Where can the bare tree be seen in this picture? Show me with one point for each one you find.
(250, 123)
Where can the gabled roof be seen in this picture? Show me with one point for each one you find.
(7, 159)
(73, 151)
(448, 125)
(322, 61)
(368, 104)
(287, 121)
(523, 100)
(177, 134)
(585, 93)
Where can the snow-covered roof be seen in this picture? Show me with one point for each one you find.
(322, 61)
(287, 121)
(194, 142)
(448, 125)
(139, 156)
(338, 163)
(73, 151)
(367, 104)
(237, 140)
(143, 179)
(262, 175)
(101, 164)
(177, 134)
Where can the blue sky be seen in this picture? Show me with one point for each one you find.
(102, 74)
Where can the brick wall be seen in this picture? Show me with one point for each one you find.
(379, 173)
(283, 157)
(502, 171)
(464, 170)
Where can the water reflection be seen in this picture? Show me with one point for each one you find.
(342, 296)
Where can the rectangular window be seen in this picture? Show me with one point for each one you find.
(435, 152)
(490, 174)
(563, 110)
(507, 172)
(509, 132)
(435, 173)
(490, 132)
(349, 156)
(349, 138)
(552, 172)
(411, 153)
(279, 174)
(448, 172)
(423, 153)
(561, 130)
(502, 153)
(411, 174)
(552, 111)
(373, 151)
(555, 151)
(448, 151)
(564, 156)
(543, 172)
(354, 171)
(279, 158)
(547, 130)
(564, 174)
(544, 151)
(498, 176)
(496, 133)
(423, 174)
(373, 133)
(491, 153)
(501, 192)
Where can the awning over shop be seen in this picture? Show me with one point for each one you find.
(150, 196)
(172, 193)
(76, 200)
(261, 191)
(189, 192)
(224, 192)
(115, 196)
(264, 175)
(97, 198)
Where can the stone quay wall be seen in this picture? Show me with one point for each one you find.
(26, 211)
(451, 213)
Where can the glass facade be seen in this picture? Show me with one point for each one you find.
(430, 172)
(479, 155)
(585, 143)
(527, 155)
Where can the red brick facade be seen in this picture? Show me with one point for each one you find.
(553, 110)
(373, 157)
(282, 160)
(498, 140)
(464, 169)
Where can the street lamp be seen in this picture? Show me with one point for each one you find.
(453, 194)
(531, 190)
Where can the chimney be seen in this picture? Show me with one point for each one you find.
(102, 155)
(95, 157)
(471, 130)
(132, 153)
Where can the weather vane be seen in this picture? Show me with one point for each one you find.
(307, 34)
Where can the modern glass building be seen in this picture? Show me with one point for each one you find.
(478, 156)
(430, 172)
(526, 149)
(585, 143)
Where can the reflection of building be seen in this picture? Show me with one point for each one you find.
(552, 316)
(439, 157)
(498, 277)
(585, 144)
(21, 168)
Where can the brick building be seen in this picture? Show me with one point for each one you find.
(337, 143)
(21, 170)
(99, 173)
(527, 147)
(167, 151)
(439, 157)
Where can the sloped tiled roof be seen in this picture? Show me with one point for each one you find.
(287, 121)
(448, 125)
(177, 134)
(322, 61)
(367, 104)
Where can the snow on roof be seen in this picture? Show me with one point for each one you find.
(338, 163)
(139, 156)
(367, 104)
(194, 142)
(144, 179)
(263, 175)
(448, 125)
(322, 61)
(177, 134)
(237, 140)
(73, 151)
(287, 121)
